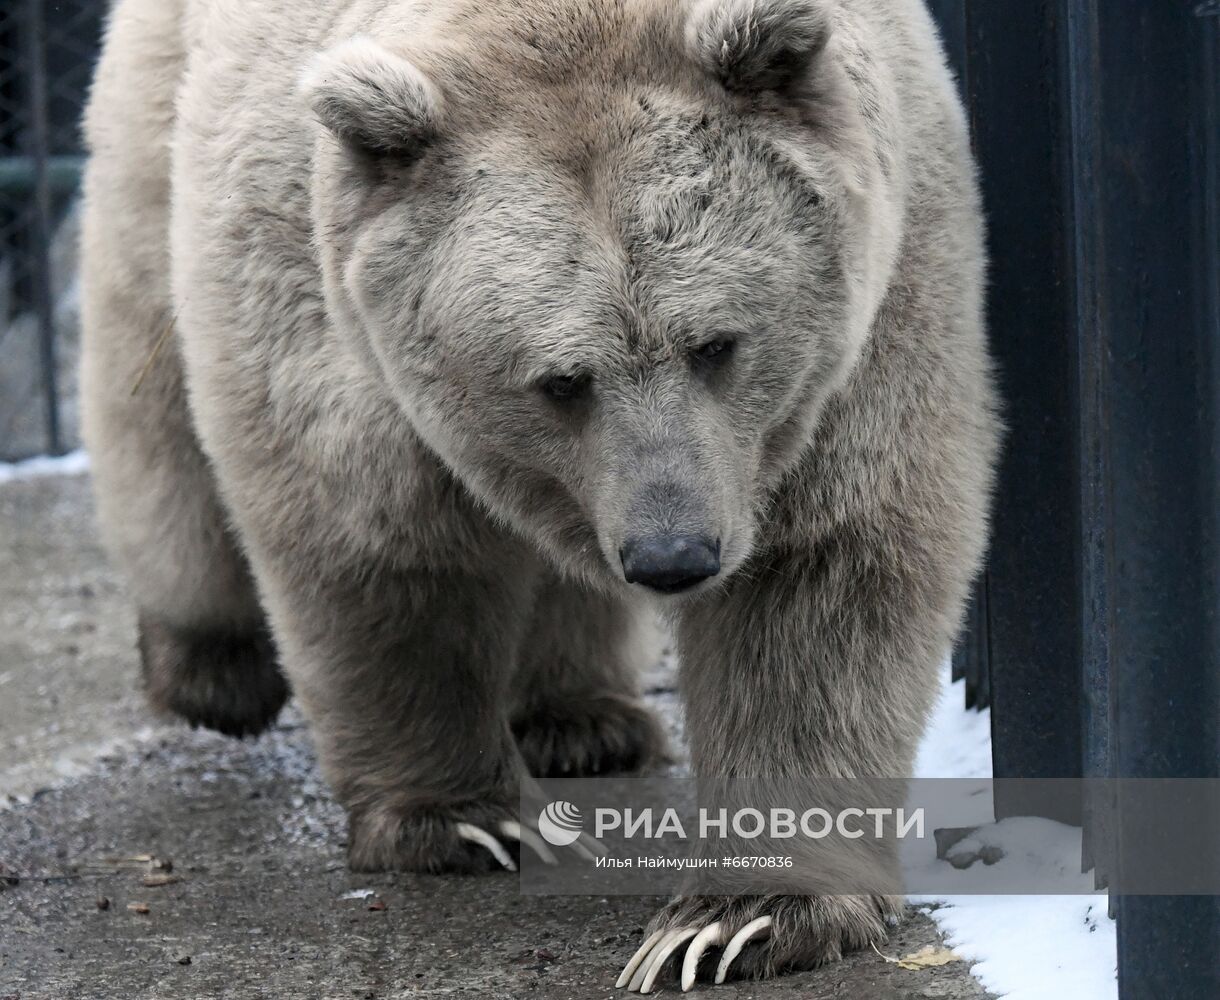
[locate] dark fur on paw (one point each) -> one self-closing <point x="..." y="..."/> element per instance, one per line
<point x="594" y="735"/>
<point x="803" y="932"/>
<point x="220" y="680"/>
<point x="430" y="840"/>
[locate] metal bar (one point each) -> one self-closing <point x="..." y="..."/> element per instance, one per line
<point x="38" y="145"/>
<point x="1081" y="75"/>
<point x="1034" y="606"/>
<point x="979" y="695"/>
<point x="19" y="174"/>
<point x="1157" y="175"/>
<point x="971" y="655"/>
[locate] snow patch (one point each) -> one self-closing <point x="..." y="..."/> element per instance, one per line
<point x="1019" y="947"/>
<point x="1034" y="947"/>
<point x="44" y="465"/>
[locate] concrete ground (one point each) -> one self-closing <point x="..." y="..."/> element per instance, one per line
<point x="248" y="843"/>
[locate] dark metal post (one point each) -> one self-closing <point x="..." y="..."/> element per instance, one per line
<point x="1033" y="598"/>
<point x="1149" y="168"/>
<point x="1081" y="80"/>
<point x="1097" y="129"/>
<point x="38" y="148"/>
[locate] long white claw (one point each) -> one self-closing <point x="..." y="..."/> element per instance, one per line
<point x="638" y="957"/>
<point x="637" y="980"/>
<point x="582" y="851"/>
<point x="476" y="835"/>
<point x="592" y="845"/>
<point x="511" y="828"/>
<point x="662" y="953"/>
<point x="760" y="927"/>
<point x="710" y="935"/>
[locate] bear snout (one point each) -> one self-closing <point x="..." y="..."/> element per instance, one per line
<point x="670" y="563"/>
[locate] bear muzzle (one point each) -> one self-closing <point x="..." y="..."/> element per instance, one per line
<point x="670" y="563"/>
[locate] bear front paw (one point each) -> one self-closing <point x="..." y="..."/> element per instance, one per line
<point x="471" y="840"/>
<point x="756" y="936"/>
<point x="604" y="734"/>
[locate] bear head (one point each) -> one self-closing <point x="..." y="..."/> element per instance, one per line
<point x="611" y="257"/>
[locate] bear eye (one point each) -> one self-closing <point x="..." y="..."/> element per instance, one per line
<point x="714" y="353"/>
<point x="565" y="388"/>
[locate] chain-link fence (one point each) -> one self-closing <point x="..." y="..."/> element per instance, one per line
<point x="47" y="52"/>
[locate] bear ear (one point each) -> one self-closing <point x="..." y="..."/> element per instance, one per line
<point x="373" y="99"/>
<point x="756" y="45"/>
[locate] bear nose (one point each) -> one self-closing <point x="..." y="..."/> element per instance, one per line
<point x="670" y="563"/>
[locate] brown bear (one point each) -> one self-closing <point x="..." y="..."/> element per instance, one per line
<point x="432" y="345"/>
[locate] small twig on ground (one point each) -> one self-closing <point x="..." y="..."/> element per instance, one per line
<point x="157" y="871"/>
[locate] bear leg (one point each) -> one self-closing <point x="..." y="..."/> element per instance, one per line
<point x="818" y="664"/>
<point x="202" y="637"/>
<point x="404" y="675"/>
<point x="579" y="711"/>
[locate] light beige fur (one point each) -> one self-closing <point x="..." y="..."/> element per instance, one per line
<point x="467" y="296"/>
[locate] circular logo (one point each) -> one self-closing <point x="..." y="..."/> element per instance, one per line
<point x="560" y="823"/>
